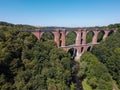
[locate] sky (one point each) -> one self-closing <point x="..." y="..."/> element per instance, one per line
<point x="64" y="13"/>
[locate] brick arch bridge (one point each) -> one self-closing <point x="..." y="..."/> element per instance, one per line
<point x="80" y="43"/>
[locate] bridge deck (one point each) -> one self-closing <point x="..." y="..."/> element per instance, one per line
<point x="68" y="29"/>
<point x="74" y="45"/>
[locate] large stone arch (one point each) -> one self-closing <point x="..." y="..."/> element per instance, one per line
<point x="89" y="36"/>
<point x="47" y="35"/>
<point x="72" y="52"/>
<point x="100" y="35"/>
<point x="111" y="32"/>
<point x="70" y="37"/>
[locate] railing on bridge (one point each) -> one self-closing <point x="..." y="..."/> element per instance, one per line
<point x="74" y="45"/>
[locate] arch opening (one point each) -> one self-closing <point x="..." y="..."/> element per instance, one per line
<point x="100" y="36"/>
<point x="70" y="38"/>
<point x="72" y="52"/>
<point x="110" y="33"/>
<point x="89" y="36"/>
<point x="82" y="49"/>
<point x="89" y="48"/>
<point x="47" y="36"/>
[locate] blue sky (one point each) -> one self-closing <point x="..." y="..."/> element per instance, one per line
<point x="69" y="13"/>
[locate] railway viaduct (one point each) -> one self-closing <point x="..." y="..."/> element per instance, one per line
<point x="80" y="44"/>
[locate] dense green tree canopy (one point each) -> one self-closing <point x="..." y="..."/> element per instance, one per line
<point x="108" y="53"/>
<point x="94" y="74"/>
<point x="27" y="64"/>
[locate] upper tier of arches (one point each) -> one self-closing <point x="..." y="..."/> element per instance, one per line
<point x="81" y="36"/>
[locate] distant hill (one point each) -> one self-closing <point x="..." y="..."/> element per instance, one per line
<point x="17" y="26"/>
<point x="29" y="27"/>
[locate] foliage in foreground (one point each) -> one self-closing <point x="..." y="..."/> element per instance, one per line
<point x="108" y="53"/>
<point x="26" y="64"/>
<point x="94" y="74"/>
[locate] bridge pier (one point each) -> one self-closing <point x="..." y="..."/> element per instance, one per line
<point x="56" y="37"/>
<point x="106" y="34"/>
<point x="77" y="57"/>
<point x="80" y="51"/>
<point x="78" y="38"/>
<point x="62" y="38"/>
<point x="94" y="39"/>
<point x="83" y="36"/>
<point x="38" y="34"/>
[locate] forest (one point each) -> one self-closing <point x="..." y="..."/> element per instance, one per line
<point x="27" y="64"/>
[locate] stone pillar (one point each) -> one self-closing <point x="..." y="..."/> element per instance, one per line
<point x="63" y="35"/>
<point x="94" y="39"/>
<point x="56" y="37"/>
<point x="78" y="37"/>
<point x="83" y="36"/>
<point x="38" y="34"/>
<point x="115" y="30"/>
<point x="106" y="34"/>
<point x="84" y="49"/>
<point x="78" y="53"/>
<point x="78" y="42"/>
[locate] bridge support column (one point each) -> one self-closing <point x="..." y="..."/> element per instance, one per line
<point x="63" y="35"/>
<point x="38" y="34"/>
<point x="78" y="53"/>
<point x="57" y="37"/>
<point x="94" y="39"/>
<point x="115" y="30"/>
<point x="78" y="37"/>
<point x="85" y="49"/>
<point x="106" y="34"/>
<point x="83" y="36"/>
